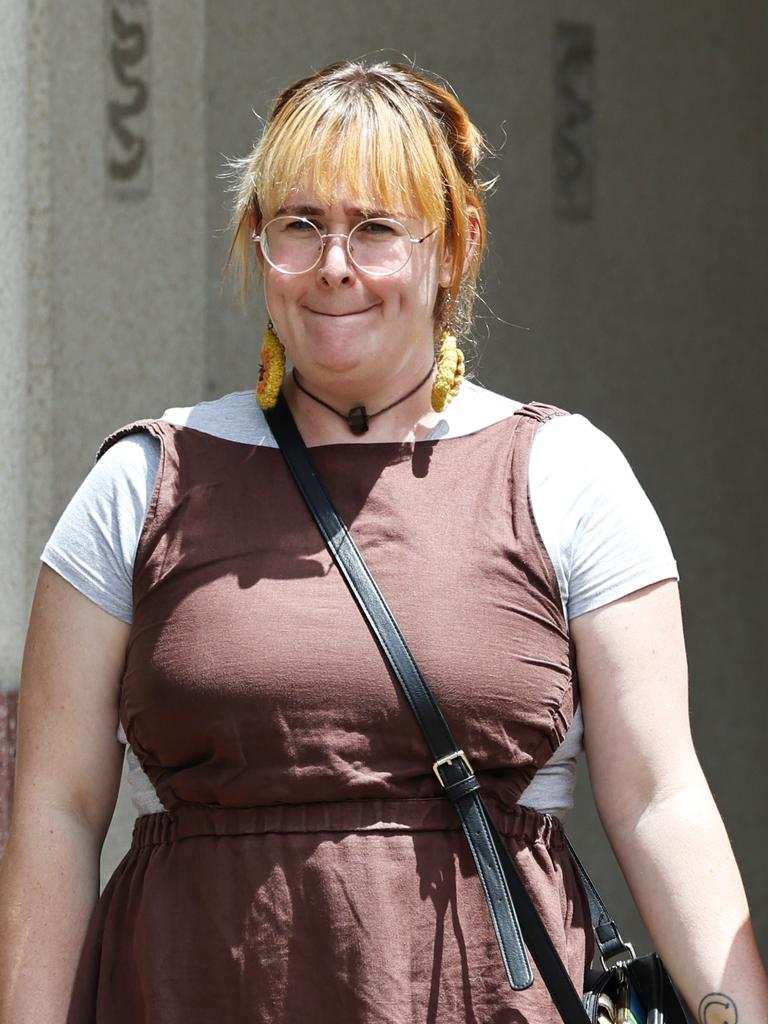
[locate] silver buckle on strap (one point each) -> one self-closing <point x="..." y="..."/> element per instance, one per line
<point x="627" y="947"/>
<point x="449" y="759"/>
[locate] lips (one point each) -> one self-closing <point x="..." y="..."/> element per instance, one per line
<point x="335" y="313"/>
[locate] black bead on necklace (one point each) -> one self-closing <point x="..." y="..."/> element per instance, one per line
<point x="358" y="418"/>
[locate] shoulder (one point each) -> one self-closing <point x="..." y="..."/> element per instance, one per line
<point x="477" y="403"/>
<point x="233" y="417"/>
<point x="94" y="541"/>
<point x="579" y="468"/>
<point x="473" y="409"/>
<point x="570" y="445"/>
<point x="600" y="527"/>
<point x="476" y="407"/>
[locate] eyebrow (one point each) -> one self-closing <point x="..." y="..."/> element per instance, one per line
<point x="315" y="211"/>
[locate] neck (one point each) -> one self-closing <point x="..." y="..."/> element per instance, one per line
<point x="411" y="418"/>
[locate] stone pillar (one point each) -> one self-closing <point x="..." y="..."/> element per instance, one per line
<point x="102" y="270"/>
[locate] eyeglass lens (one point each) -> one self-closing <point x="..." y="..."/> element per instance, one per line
<point x="377" y="246"/>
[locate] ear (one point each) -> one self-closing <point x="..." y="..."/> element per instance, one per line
<point x="473" y="240"/>
<point x="446" y="267"/>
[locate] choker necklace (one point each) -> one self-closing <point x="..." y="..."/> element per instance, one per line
<point x="357" y="417"/>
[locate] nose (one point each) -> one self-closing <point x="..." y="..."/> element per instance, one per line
<point x="335" y="267"/>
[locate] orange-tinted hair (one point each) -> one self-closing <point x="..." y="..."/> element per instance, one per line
<point x="384" y="136"/>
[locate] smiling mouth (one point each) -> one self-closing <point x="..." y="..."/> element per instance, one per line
<point x="351" y="312"/>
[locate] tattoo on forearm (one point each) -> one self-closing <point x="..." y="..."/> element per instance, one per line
<point x="717" y="1008"/>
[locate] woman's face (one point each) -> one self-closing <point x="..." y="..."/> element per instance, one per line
<point x="337" y="321"/>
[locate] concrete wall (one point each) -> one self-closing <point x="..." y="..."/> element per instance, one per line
<point x="646" y="312"/>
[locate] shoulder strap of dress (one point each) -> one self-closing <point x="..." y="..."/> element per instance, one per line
<point x="540" y="411"/>
<point x="158" y="428"/>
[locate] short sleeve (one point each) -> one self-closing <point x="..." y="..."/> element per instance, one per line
<point x="599" y="527"/>
<point x="93" y="545"/>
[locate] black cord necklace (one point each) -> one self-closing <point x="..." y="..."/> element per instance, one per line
<point x="357" y="417"/>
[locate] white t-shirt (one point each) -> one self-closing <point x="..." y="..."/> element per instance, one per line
<point x="599" y="528"/>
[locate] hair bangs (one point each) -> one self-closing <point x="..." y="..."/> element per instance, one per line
<point x="358" y="148"/>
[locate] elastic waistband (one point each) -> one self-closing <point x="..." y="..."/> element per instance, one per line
<point x="423" y="814"/>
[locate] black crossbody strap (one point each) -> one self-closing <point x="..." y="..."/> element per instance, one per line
<point x="607" y="934"/>
<point x="507" y="896"/>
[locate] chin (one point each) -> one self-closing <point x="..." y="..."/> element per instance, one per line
<point x="339" y="364"/>
<point x="341" y="352"/>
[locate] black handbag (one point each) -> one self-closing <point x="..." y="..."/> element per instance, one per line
<point x="611" y="993"/>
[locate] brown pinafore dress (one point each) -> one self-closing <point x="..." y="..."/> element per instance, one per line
<point x="307" y="866"/>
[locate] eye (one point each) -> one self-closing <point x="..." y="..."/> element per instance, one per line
<point x="377" y="227"/>
<point x="299" y="226"/>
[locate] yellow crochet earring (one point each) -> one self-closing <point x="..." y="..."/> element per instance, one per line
<point x="450" y="372"/>
<point x="272" y="369"/>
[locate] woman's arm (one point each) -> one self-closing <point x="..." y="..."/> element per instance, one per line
<point x="67" y="777"/>
<point x="656" y="806"/>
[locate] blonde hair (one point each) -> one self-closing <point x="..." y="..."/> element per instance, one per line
<point x="384" y="136"/>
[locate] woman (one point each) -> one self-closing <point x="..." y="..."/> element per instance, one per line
<point x="293" y="854"/>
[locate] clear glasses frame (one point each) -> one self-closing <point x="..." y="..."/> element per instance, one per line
<point x="348" y="235"/>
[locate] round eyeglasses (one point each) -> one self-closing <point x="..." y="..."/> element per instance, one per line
<point x="379" y="246"/>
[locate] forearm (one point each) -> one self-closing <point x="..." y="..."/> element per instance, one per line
<point x="679" y="865"/>
<point x="48" y="886"/>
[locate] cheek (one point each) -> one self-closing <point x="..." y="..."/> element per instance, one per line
<point x="422" y="287"/>
<point x="416" y="286"/>
<point x="279" y="291"/>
